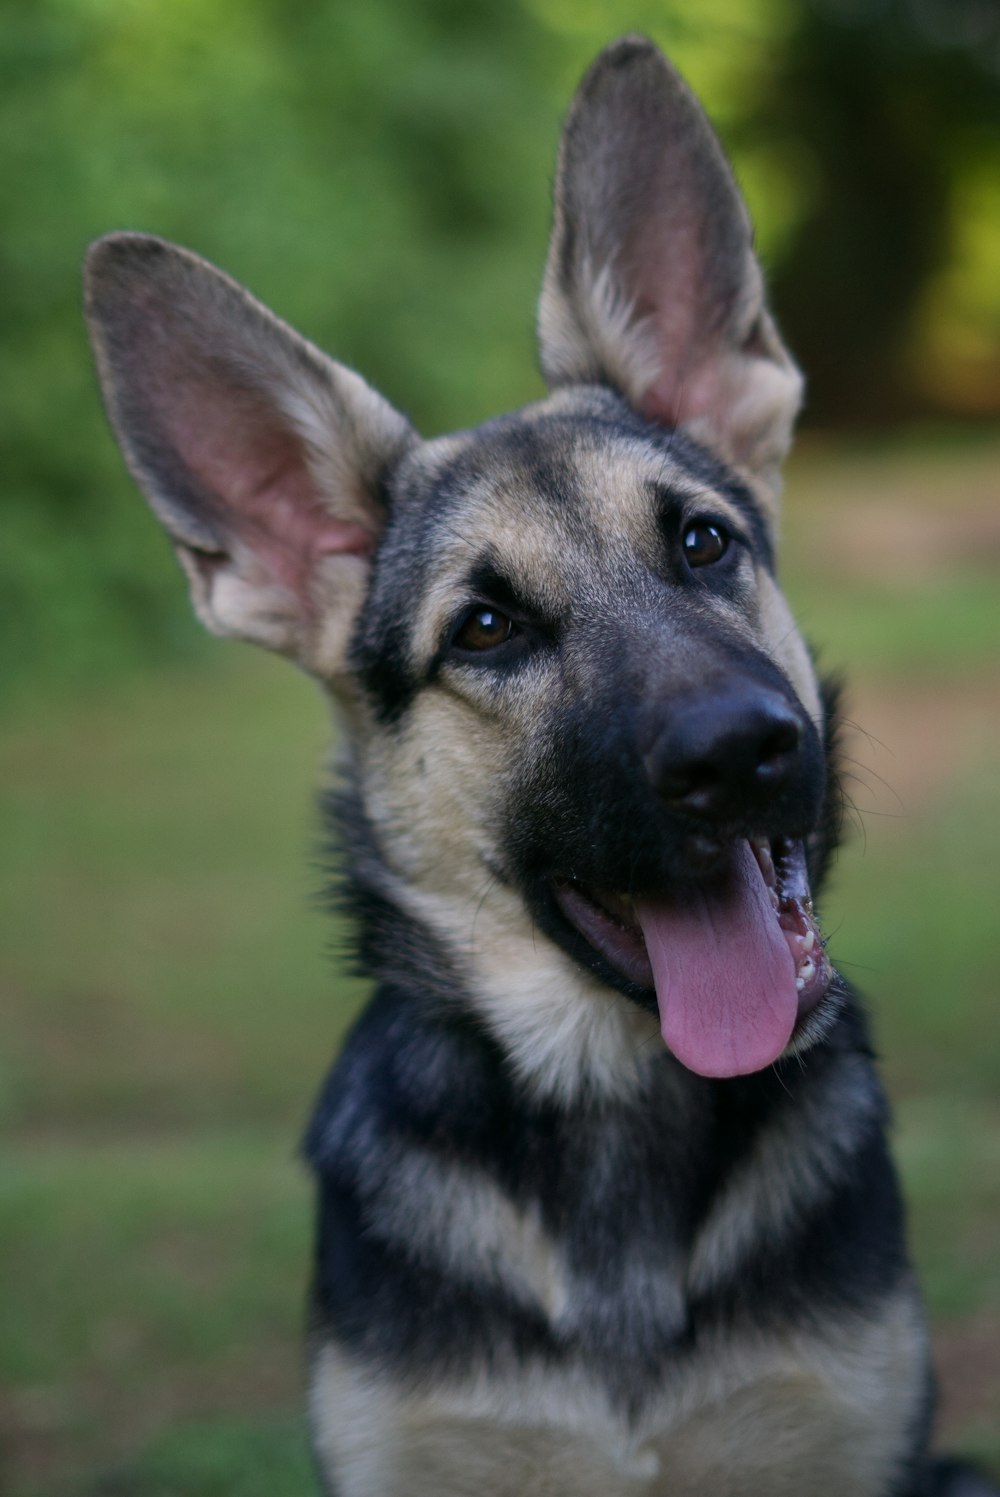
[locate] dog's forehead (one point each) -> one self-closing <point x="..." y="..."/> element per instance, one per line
<point x="557" y="485"/>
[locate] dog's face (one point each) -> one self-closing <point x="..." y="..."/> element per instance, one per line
<point x="583" y="719"/>
<point x="594" y="696"/>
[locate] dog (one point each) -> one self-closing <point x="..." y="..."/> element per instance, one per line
<point x="605" y="1205"/>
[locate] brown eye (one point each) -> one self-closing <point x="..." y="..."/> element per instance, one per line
<point x="704" y="543"/>
<point x="483" y="629"/>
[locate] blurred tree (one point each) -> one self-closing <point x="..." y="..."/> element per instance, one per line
<point x="892" y="102"/>
<point x="376" y="173"/>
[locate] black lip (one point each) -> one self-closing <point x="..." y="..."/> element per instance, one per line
<point x="609" y="932"/>
<point x="548" y="914"/>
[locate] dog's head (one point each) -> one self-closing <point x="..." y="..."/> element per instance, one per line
<point x="578" y="701"/>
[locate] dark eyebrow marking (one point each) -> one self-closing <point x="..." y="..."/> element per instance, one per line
<point x="671" y="505"/>
<point x="486" y="581"/>
<point x="742" y="500"/>
<point x="490" y="582"/>
<point x="704" y="466"/>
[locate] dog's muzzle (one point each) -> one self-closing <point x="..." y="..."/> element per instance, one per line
<point x="732" y="950"/>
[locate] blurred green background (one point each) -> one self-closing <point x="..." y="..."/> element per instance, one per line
<point x="379" y="174"/>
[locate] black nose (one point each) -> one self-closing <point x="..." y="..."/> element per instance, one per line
<point x="727" y="753"/>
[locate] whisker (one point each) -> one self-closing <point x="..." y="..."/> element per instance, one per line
<point x="848" y="722"/>
<point x="867" y="769"/>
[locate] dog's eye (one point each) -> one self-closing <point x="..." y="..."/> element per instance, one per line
<point x="484" y="628"/>
<point x="704" y="543"/>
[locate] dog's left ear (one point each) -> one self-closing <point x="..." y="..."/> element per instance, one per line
<point x="651" y="283"/>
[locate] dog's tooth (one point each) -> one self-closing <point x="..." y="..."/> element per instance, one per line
<point x="762" y="851"/>
<point x="806" y="972"/>
<point x="808" y="942"/>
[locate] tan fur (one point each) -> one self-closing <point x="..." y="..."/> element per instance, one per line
<point x="786" y="1175"/>
<point x="481" y="1234"/>
<point x="565" y="1031"/>
<point x="597" y="332"/>
<point x="753" y="1416"/>
<point x="567" y="1036"/>
<point x="780" y="636"/>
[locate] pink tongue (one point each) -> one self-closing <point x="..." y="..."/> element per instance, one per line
<point x="725" y="978"/>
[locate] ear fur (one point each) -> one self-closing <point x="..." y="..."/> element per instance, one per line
<point x="262" y="458"/>
<point x="651" y="283"/>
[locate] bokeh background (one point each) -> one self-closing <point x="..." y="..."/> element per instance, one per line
<point x="168" y="1000"/>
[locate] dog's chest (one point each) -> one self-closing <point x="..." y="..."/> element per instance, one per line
<point x="755" y="1415"/>
<point x="515" y="1301"/>
<point x="519" y="1233"/>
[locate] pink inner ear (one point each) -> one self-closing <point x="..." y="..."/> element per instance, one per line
<point x="679" y="396"/>
<point x="253" y="471"/>
<point x="664" y="268"/>
<point x="344" y="538"/>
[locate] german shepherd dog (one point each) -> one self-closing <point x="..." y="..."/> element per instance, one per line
<point x="605" y="1206"/>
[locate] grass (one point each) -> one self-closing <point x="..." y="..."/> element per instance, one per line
<point x="161" y="856"/>
<point x="944" y="627"/>
<point x="169" y="1007"/>
<point x="170" y="1283"/>
<point x="221" y="1458"/>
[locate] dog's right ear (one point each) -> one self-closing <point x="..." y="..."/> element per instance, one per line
<point x="263" y="459"/>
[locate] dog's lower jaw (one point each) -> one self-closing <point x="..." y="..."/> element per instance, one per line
<point x="566" y="1034"/>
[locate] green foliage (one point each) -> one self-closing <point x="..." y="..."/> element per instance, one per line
<point x="378" y="174"/>
<point x="322" y="154"/>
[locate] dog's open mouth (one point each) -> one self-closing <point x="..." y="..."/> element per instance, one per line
<point x="737" y="961"/>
